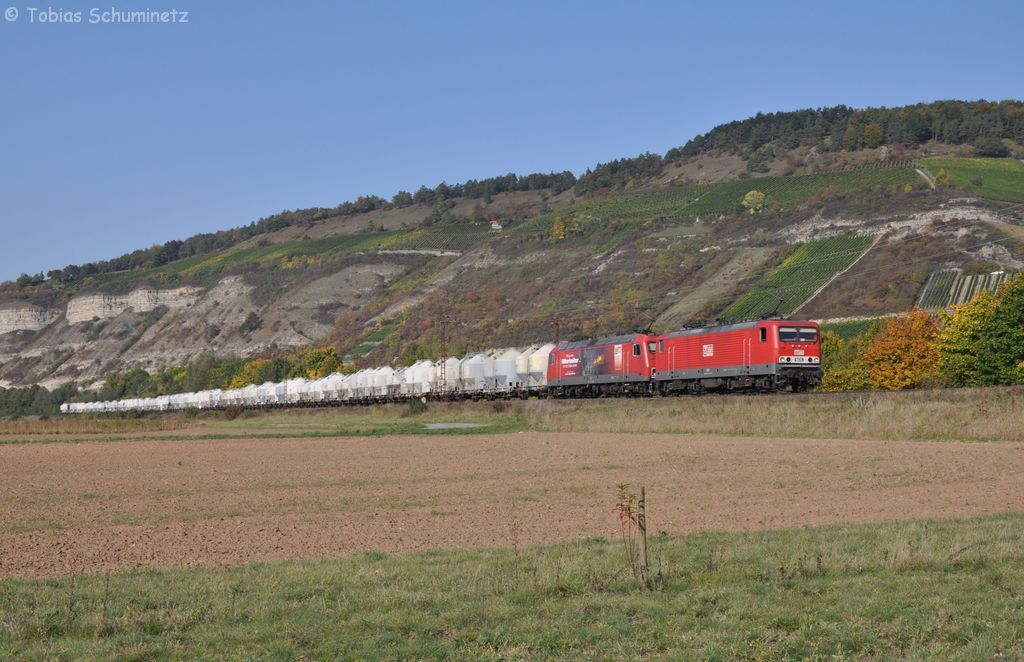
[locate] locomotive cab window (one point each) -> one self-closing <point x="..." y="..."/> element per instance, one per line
<point x="798" y="334"/>
<point x="808" y="334"/>
<point x="661" y="345"/>
<point x="764" y="334"/>
<point x="636" y="349"/>
<point x="652" y="346"/>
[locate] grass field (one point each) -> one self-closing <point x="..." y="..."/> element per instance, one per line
<point x="802" y="539"/>
<point x="293" y="252"/>
<point x="939" y="588"/>
<point x="683" y="205"/>
<point x="940" y="415"/>
<point x="792" y="282"/>
<point x="1001" y="179"/>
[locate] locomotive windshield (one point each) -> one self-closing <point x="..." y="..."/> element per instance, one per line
<point x="798" y="334"/>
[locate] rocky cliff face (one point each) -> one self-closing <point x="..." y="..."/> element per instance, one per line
<point x="26" y="318"/>
<point x="104" y="306"/>
<point x="156" y="328"/>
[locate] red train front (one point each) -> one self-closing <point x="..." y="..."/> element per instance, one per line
<point x="763" y="355"/>
<point x="768" y="355"/>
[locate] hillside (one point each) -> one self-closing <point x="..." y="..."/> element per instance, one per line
<point x="515" y="260"/>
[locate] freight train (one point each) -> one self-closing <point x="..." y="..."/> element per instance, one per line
<point x="765" y="355"/>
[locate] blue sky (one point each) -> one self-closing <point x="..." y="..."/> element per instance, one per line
<point x="118" y="136"/>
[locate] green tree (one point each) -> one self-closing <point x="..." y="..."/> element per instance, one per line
<point x="872" y="135"/>
<point x="753" y="201"/>
<point x="991" y="147"/>
<point x="982" y="343"/>
<point x="851" y="137"/>
<point x="842" y="360"/>
<point x="223" y="373"/>
<point x="402" y="199"/>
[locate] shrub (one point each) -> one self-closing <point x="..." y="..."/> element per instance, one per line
<point x="251" y="323"/>
<point x="991" y="147"/>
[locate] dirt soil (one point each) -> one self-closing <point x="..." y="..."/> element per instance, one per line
<point x="102" y="506"/>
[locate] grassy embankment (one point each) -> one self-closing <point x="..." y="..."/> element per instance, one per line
<point x="942" y="589"/>
<point x="996" y="179"/>
<point x="995" y="414"/>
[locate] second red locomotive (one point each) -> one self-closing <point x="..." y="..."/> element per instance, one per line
<point x="767" y="355"/>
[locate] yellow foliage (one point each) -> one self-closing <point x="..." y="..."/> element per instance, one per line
<point x="320" y="362"/>
<point x="299" y="261"/>
<point x="753" y="201"/>
<point x="958" y="341"/>
<point x="853" y="377"/>
<point x="558" y="228"/>
<point x="251" y="373"/>
<point x="905" y="354"/>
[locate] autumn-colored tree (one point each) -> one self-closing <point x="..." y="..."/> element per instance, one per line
<point x="943" y="180"/>
<point x="753" y="201"/>
<point x="845" y="369"/>
<point x="558" y="228"/>
<point x="905" y="354"/>
<point x="318" y="363"/>
<point x="254" y="371"/>
<point x="982" y="343"/>
<point x="872" y="135"/>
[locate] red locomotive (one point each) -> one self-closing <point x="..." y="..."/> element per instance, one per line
<point x="767" y="355"/>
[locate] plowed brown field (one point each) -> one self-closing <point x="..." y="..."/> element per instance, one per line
<point x="101" y="506"/>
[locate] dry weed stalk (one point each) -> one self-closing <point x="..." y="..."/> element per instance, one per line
<point x="633" y="528"/>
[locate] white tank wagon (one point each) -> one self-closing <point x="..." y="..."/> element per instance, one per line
<point x="380" y="380"/>
<point x="473" y="372"/>
<point x="537" y="365"/>
<point x="449" y="381"/>
<point x="266" y="394"/>
<point x="337" y="386"/>
<point x="419" y="377"/>
<point x="497" y="373"/>
<point x="396" y="388"/>
<point x="318" y="390"/>
<point x="506" y="374"/>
